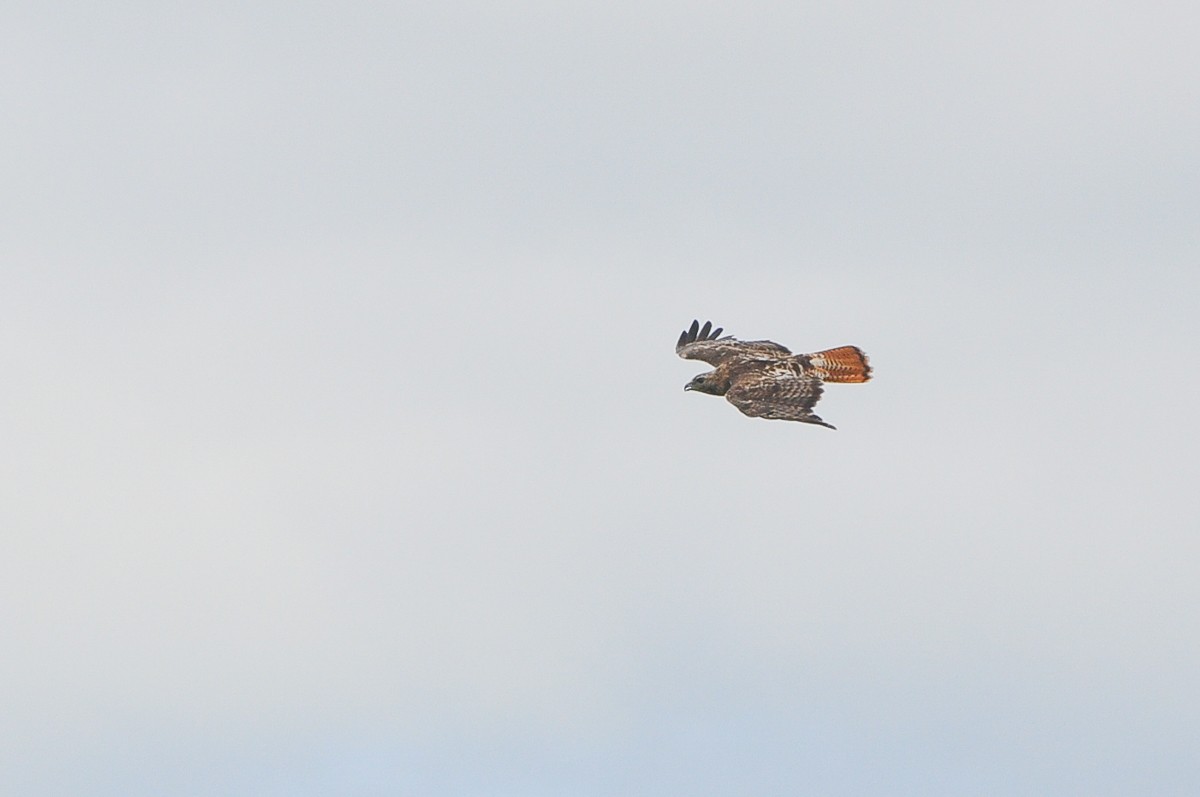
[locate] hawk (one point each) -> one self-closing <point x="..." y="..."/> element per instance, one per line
<point x="762" y="378"/>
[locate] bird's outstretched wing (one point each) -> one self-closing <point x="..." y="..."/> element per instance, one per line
<point x="706" y="344"/>
<point x="776" y="390"/>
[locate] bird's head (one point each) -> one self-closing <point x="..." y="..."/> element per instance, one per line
<point x="705" y="383"/>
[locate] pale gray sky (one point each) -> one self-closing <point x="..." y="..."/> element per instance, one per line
<point x="345" y="449"/>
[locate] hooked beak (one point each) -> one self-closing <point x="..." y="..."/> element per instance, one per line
<point x="688" y="386"/>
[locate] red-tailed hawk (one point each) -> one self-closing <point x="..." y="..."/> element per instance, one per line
<point x="762" y="378"/>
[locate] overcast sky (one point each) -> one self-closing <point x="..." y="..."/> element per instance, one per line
<point x="343" y="447"/>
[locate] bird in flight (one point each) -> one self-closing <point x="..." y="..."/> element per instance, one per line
<point x="762" y="378"/>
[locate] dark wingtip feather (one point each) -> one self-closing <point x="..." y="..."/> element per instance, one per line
<point x="696" y="332"/>
<point x="688" y="335"/>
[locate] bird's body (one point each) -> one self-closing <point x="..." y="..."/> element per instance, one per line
<point x="762" y="378"/>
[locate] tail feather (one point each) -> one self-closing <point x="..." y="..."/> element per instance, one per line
<point x="843" y="364"/>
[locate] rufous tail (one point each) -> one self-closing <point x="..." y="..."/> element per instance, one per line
<point x="843" y="364"/>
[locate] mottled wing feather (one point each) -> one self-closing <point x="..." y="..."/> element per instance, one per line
<point x="774" y="389"/>
<point x="707" y="345"/>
